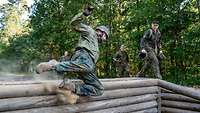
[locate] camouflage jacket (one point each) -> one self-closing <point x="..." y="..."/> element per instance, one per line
<point x="121" y="58"/>
<point x="88" y="37"/>
<point x="151" y="40"/>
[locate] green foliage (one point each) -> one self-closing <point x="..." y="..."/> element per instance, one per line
<point x="50" y="34"/>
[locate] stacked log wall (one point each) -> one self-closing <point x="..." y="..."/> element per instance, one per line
<point x="179" y="99"/>
<point x="120" y="96"/>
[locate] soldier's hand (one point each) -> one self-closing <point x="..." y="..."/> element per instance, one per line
<point x="161" y="55"/>
<point x="142" y="54"/>
<point x="143" y="51"/>
<point x="116" y="60"/>
<point x="88" y="10"/>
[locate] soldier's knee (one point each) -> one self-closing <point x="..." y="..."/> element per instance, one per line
<point x="89" y="69"/>
<point x="86" y="68"/>
<point x="99" y="92"/>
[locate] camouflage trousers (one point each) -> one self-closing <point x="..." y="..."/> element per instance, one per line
<point x="122" y="70"/>
<point x="151" y="61"/>
<point x="82" y="63"/>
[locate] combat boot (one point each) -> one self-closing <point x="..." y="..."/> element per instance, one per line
<point x="45" y="66"/>
<point x="66" y="94"/>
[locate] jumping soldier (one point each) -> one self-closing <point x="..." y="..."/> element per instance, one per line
<point x="151" y="51"/>
<point x="83" y="61"/>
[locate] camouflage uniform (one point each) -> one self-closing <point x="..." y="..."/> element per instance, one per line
<point x="64" y="58"/>
<point x="121" y="63"/>
<point x="151" y="43"/>
<point x="84" y="60"/>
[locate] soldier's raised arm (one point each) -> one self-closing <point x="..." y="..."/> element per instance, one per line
<point x="77" y="21"/>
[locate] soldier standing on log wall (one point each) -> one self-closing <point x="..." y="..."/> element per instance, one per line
<point x="121" y="61"/>
<point x="83" y="61"/>
<point x="151" y="51"/>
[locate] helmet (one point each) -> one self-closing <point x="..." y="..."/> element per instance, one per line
<point x="104" y="29"/>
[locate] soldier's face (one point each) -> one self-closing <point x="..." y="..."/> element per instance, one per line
<point x="154" y="26"/>
<point x="101" y="35"/>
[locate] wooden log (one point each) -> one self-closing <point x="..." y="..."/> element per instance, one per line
<point x="175" y="110"/>
<point x="190" y="92"/>
<point x="37" y="78"/>
<point x="178" y="97"/>
<point x="46" y="101"/>
<point x="56" y="82"/>
<point x="49" y="88"/>
<point x="124" y="79"/>
<point x="128" y="108"/>
<point x="8" y="91"/>
<point x="151" y="110"/>
<point x="97" y="105"/>
<point x="119" y="93"/>
<point x="27" y="103"/>
<point x="163" y="90"/>
<point x="130" y="84"/>
<point x="35" y="81"/>
<point x="181" y="105"/>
